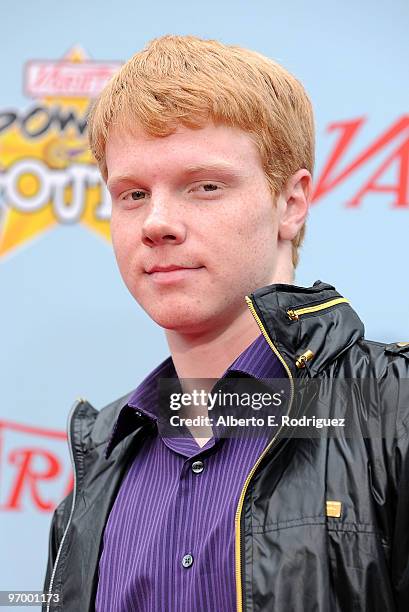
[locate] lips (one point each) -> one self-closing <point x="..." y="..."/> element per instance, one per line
<point x="169" y="268"/>
<point x="172" y="276"/>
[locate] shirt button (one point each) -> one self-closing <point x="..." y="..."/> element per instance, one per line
<point x="197" y="467"/>
<point x="187" y="560"/>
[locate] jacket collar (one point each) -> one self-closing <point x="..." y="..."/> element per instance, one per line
<point x="325" y="331"/>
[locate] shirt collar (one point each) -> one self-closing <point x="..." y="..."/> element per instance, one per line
<point x="257" y="360"/>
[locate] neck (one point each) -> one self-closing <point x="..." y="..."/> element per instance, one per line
<point x="209" y="354"/>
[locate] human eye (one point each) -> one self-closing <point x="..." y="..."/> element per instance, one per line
<point x="207" y="187"/>
<point x="211" y="186"/>
<point x="136" y="194"/>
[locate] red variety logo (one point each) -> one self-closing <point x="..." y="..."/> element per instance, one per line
<point x="395" y="138"/>
<point x="35" y="469"/>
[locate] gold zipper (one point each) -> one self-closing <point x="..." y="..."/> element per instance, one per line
<point x="295" y="314"/>
<point x="239" y="591"/>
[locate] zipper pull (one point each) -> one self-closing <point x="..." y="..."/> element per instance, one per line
<point x="292" y="315"/>
<point x="301" y="360"/>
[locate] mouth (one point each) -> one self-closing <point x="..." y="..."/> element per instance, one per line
<point x="171" y="274"/>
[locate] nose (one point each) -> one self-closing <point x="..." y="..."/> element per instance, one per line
<point x="162" y="227"/>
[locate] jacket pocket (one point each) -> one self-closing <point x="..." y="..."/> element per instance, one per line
<point x="358" y="558"/>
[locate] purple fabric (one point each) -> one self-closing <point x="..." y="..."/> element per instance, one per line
<point x="165" y="511"/>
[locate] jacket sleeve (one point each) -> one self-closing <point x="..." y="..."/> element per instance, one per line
<point x="400" y="470"/>
<point x="400" y="558"/>
<point x="58" y="522"/>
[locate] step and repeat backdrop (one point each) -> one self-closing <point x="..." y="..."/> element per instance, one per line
<point x="68" y="326"/>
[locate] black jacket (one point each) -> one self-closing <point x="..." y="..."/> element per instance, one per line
<point x="322" y="522"/>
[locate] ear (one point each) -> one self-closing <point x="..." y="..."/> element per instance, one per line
<point x="293" y="204"/>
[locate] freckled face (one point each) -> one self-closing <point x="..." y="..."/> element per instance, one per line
<point x="198" y="200"/>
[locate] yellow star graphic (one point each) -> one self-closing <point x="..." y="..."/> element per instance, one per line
<point x="47" y="174"/>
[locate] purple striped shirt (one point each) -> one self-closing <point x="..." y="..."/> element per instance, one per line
<point x="169" y="540"/>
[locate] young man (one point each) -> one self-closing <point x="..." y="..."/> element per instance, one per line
<point x="207" y="151"/>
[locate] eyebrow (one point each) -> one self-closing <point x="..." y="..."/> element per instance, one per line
<point x="216" y="166"/>
<point x="212" y="166"/>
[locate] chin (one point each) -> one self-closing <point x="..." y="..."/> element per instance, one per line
<point x="181" y="322"/>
